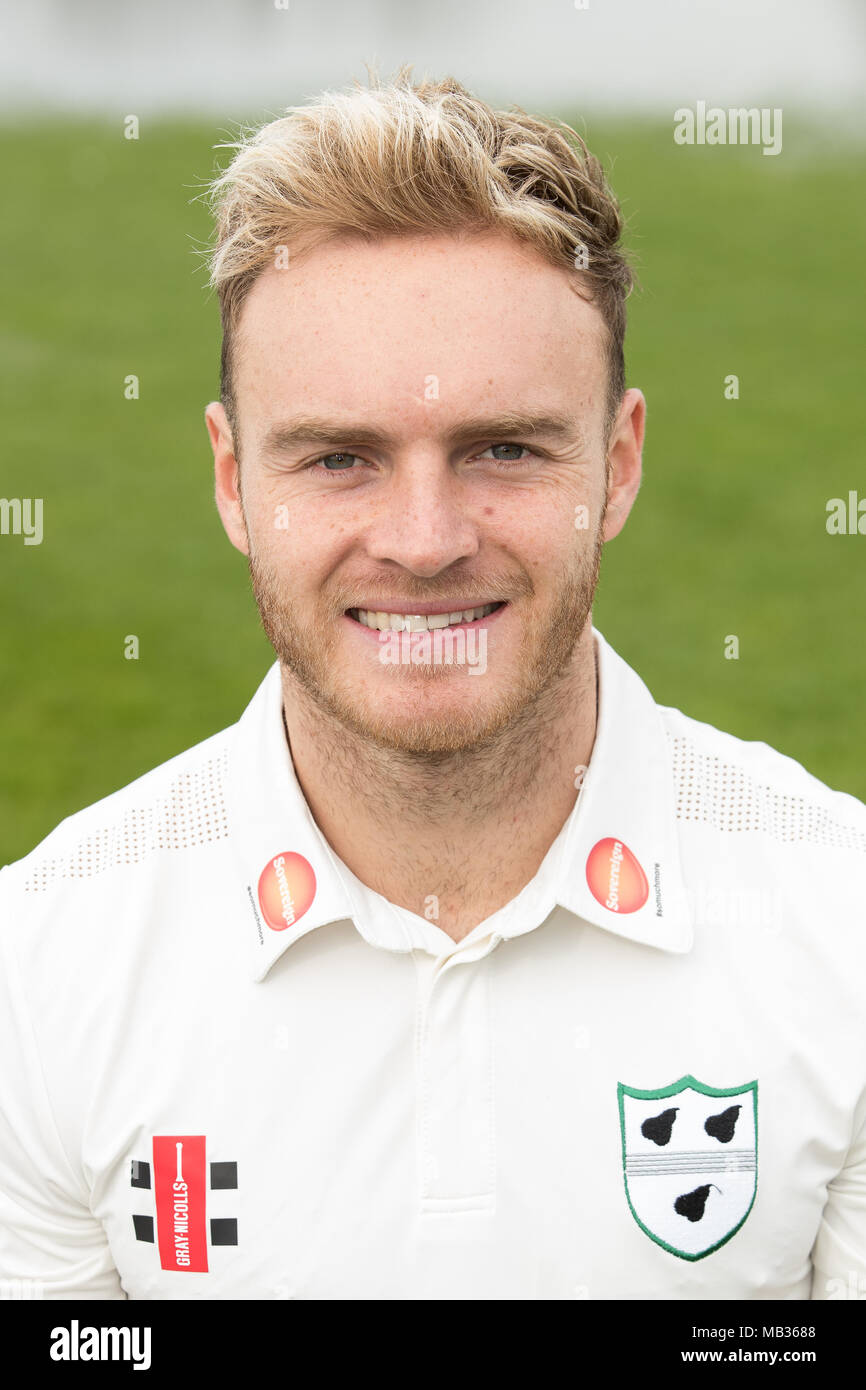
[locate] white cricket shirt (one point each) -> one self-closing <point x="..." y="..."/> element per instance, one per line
<point x="230" y="1070"/>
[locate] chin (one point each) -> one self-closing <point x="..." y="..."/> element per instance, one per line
<point x="427" y="722"/>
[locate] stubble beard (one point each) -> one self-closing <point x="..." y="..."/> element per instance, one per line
<point x="532" y="697"/>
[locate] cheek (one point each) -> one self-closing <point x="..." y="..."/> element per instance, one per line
<point x="304" y="548"/>
<point x="559" y="545"/>
<point x="276" y="519"/>
<point x="545" y="531"/>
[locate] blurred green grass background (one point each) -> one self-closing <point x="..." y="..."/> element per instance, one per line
<point x="748" y="264"/>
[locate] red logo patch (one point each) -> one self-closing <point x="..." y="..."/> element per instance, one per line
<point x="179" y="1191"/>
<point x="287" y="886"/>
<point x="615" y="877"/>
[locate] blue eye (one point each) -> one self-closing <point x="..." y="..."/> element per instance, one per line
<point x="338" y="455"/>
<point x="523" y="447"/>
<point x="506" y="446"/>
<point x="343" y="462"/>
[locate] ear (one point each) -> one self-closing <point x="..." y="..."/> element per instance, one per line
<point x="226" y="477"/>
<point x="624" y="462"/>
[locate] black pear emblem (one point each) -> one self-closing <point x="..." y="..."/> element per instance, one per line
<point x="690" y="1160"/>
<point x="692" y="1204"/>
<point x="658" y="1128"/>
<point x="722" y="1126"/>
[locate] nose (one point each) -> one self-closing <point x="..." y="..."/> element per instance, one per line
<point x="423" y="519"/>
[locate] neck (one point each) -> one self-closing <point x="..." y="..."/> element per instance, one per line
<point x="455" y="839"/>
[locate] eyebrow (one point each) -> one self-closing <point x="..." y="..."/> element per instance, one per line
<point x="292" y="434"/>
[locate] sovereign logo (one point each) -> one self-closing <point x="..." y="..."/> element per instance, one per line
<point x="287" y="886"/>
<point x="690" y="1162"/>
<point x="615" y="877"/>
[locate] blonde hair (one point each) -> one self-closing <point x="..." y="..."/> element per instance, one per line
<point x="404" y="158"/>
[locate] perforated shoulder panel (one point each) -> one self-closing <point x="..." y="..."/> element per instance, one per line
<point x="723" y="795"/>
<point x="191" y="812"/>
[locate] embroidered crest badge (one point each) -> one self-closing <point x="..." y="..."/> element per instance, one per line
<point x="690" y="1162"/>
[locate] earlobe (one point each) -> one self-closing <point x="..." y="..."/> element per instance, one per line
<point x="226" y="478"/>
<point x="625" y="462"/>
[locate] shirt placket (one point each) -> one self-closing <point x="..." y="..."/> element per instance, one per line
<point x="455" y="1111"/>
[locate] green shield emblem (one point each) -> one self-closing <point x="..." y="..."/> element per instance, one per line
<point x="690" y="1162"/>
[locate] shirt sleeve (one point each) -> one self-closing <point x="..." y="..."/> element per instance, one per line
<point x="839" y="1252"/>
<point x="51" y="1244"/>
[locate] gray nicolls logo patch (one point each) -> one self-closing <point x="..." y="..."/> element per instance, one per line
<point x="690" y="1162"/>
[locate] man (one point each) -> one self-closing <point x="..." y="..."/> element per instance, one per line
<point x="457" y="968"/>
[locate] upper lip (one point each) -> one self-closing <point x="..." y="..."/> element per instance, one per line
<point x="424" y="609"/>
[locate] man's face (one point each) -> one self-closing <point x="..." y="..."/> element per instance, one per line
<point x="383" y="469"/>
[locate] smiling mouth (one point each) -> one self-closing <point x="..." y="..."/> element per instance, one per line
<point x="420" y="622"/>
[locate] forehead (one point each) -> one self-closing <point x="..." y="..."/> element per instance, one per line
<point x="481" y="314"/>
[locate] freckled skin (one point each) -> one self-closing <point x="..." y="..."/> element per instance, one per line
<point x="431" y="759"/>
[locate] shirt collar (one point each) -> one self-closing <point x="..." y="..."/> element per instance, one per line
<point x="622" y="833"/>
<point x="614" y="864"/>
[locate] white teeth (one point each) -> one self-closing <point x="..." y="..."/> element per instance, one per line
<point x="419" y="622"/>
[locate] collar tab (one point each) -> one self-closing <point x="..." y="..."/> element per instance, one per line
<point x="623" y="869"/>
